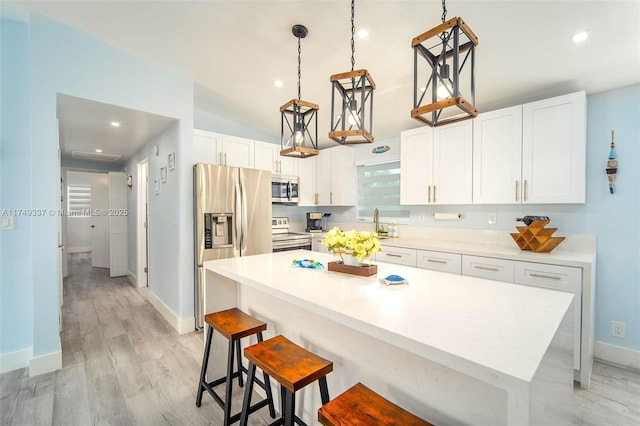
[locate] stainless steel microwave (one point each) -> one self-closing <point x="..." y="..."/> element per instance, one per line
<point x="285" y="189"/>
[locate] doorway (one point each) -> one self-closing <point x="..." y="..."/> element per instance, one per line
<point x="143" y="222"/>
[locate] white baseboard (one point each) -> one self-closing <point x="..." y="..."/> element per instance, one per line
<point x="616" y="354"/>
<point x="15" y="360"/>
<point x="78" y="250"/>
<point x="181" y="325"/>
<point x="132" y="278"/>
<point x="45" y="363"/>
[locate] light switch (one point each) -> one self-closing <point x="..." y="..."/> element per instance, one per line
<point x="6" y="223"/>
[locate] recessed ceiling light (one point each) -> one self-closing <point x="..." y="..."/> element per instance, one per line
<point x="98" y="150"/>
<point x="580" y="37"/>
<point x="277" y="83"/>
<point x="115" y="124"/>
<point x="363" y="33"/>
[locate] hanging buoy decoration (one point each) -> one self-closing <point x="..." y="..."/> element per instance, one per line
<point x="612" y="165"/>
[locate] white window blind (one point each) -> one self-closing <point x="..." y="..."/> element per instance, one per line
<point x="379" y="188"/>
<point x="79" y="200"/>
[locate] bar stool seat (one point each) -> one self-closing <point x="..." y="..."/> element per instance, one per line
<point x="233" y="324"/>
<point x="291" y="366"/>
<point x="360" y="406"/>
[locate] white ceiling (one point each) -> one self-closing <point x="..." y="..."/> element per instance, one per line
<point x="234" y="50"/>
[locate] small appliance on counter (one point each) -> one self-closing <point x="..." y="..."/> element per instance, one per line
<point x="314" y="222"/>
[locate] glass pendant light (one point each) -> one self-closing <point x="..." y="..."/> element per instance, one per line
<point x="352" y="101"/>
<point x="448" y="49"/>
<point x="298" y="118"/>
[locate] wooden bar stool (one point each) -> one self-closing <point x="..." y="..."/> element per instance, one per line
<point x="234" y="325"/>
<point x="360" y="406"/>
<point x="291" y="366"/>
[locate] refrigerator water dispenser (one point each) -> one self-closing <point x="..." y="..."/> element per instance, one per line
<point x="218" y="230"/>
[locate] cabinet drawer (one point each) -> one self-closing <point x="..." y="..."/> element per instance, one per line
<point x="439" y="261"/>
<point x="487" y="267"/>
<point x="403" y="256"/>
<point x="563" y="278"/>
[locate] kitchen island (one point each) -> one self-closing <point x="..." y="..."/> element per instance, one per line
<point x="452" y="349"/>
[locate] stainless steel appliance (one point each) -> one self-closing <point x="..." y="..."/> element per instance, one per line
<point x="314" y="222"/>
<point x="283" y="240"/>
<point x="285" y="189"/>
<point x="232" y="211"/>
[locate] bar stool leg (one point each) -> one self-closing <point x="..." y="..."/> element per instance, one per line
<point x="324" y="390"/>
<point x="246" y="401"/>
<point x="289" y="408"/>
<point x="229" y="384"/>
<point x="205" y="362"/>
<point x="267" y="385"/>
<point x="239" y="360"/>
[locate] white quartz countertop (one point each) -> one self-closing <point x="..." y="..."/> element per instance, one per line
<point x="491" y="330"/>
<point x="559" y="256"/>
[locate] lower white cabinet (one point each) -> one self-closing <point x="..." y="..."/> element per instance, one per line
<point x="439" y="261"/>
<point x="488" y="267"/>
<point x="400" y="255"/>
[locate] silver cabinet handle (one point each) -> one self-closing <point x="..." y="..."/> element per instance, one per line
<point x="524" y="197"/>
<point x="434" y="194"/>
<point x="546" y="277"/>
<point x="517" y="189"/>
<point x="316" y="201"/>
<point x="220" y="159"/>
<point x="393" y="255"/>
<point x="442" y="262"/>
<point x="486" y="268"/>
<point x="225" y="158"/>
<point x="330" y="197"/>
<point x="429" y="196"/>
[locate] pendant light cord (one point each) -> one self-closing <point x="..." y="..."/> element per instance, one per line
<point x="444" y="10"/>
<point x="353" y="30"/>
<point x="299" y="73"/>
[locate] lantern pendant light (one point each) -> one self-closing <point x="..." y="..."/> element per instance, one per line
<point x="298" y="118"/>
<point x="352" y="102"/>
<point x="449" y="50"/>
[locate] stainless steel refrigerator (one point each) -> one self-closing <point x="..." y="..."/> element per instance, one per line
<point x="232" y="208"/>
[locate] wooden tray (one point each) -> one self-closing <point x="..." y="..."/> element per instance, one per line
<point x="362" y="271"/>
<point x="536" y="237"/>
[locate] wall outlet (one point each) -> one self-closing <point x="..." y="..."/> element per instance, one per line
<point x="421" y="216"/>
<point x="618" y="329"/>
<point x="493" y="218"/>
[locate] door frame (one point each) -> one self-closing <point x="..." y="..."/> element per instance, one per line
<point x="142" y="219"/>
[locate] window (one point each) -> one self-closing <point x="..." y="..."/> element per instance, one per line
<point x="79" y="200"/>
<point x="379" y="188"/>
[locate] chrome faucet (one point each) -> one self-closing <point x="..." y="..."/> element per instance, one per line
<point x="376" y="220"/>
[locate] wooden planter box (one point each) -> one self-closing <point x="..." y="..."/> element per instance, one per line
<point x="362" y="271"/>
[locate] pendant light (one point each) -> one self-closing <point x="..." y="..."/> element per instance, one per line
<point x="449" y="50"/>
<point x="352" y="102"/>
<point x="299" y="121"/>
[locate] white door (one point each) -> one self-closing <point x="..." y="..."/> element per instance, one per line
<point x="237" y="152"/>
<point x="61" y="252"/>
<point x="343" y="176"/>
<point x="99" y="221"/>
<point x="288" y="166"/>
<point x="497" y="156"/>
<point x="323" y="178"/>
<point x="452" y="163"/>
<point x="142" y="220"/>
<point x="118" y="212"/>
<point x="307" y="175"/>
<point x="207" y="147"/>
<point x="266" y="157"/>
<point x="416" y="166"/>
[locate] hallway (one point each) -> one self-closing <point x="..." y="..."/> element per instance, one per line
<point x="122" y="362"/>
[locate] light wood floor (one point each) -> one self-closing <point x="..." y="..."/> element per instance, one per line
<point x="123" y="364"/>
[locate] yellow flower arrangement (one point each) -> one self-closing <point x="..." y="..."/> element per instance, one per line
<point x="361" y="244"/>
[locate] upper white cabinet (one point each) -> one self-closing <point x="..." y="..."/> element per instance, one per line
<point x="236" y="152"/>
<point x="436" y="164"/>
<point x="497" y="156"/>
<point x="531" y="153"/>
<point x="335" y="177"/>
<point x="307" y="175"/>
<point x="267" y="157"/>
<point x="554" y="150"/>
<point x="206" y="146"/>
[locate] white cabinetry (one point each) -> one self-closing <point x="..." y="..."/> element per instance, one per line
<point x="400" y="255"/>
<point x="531" y="153"/>
<point x="497" y="156"/>
<point x="335" y="177"/>
<point x="206" y="146"/>
<point x="236" y="152"/>
<point x="554" y="150"/>
<point x="307" y="175"/>
<point x="488" y="267"/>
<point x="267" y="157"/>
<point x="436" y="164"/>
<point x="439" y="261"/>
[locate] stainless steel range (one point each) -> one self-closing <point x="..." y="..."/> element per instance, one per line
<point x="283" y="240"/>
